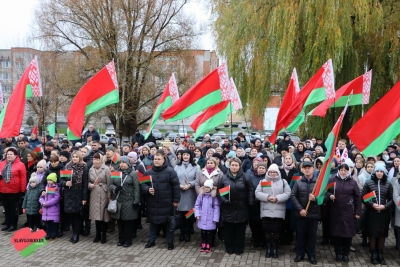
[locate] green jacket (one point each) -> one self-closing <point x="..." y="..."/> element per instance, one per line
<point x="31" y="200"/>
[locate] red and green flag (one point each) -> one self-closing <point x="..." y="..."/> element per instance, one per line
<point x="144" y="179"/>
<point x="169" y="96"/>
<point x="100" y="91"/>
<point x="294" y="180"/>
<point x="189" y="214"/>
<point x="116" y="175"/>
<point x="266" y="184"/>
<point x="211" y="90"/>
<point x="35" y="130"/>
<point x="115" y="159"/>
<point x="359" y="87"/>
<point x="319" y="88"/>
<point x="330" y="185"/>
<point x="51" y="190"/>
<point x="225" y="191"/>
<point x="65" y="173"/>
<point x="287" y="101"/>
<point x="13" y="112"/>
<point x="368" y="197"/>
<point x="324" y="175"/>
<point x="38" y="149"/>
<point x="26" y="242"/>
<point x="380" y="124"/>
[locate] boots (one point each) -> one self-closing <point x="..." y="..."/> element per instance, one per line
<point x="75" y="238"/>
<point x="98" y="232"/>
<point x="275" y="248"/>
<point x="187" y="237"/>
<point x="374" y="257"/>
<point x="208" y="248"/>
<point x="380" y="259"/>
<point x="268" y="243"/>
<point x="182" y="236"/>
<point x="104" y="233"/>
<point x="111" y="226"/>
<point x="86" y="232"/>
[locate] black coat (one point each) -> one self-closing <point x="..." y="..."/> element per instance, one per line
<point x="343" y="209"/>
<point x="283" y="143"/>
<point x="241" y="197"/>
<point x="151" y="138"/>
<point x="138" y="138"/>
<point x="300" y="195"/>
<point x="166" y="191"/>
<point x="386" y="194"/>
<point x="74" y="195"/>
<point x="49" y="170"/>
<point x="288" y="177"/>
<point x="246" y="163"/>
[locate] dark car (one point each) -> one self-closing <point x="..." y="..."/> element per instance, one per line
<point x="168" y="132"/>
<point x="171" y="136"/>
<point x="200" y="138"/>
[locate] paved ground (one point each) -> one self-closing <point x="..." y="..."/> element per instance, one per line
<point x="85" y="253"/>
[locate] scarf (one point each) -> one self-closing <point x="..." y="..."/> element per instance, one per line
<point x="185" y="164"/>
<point x="30" y="163"/>
<point x="210" y="170"/>
<point x="77" y="173"/>
<point x="341" y="157"/>
<point x="7" y="172"/>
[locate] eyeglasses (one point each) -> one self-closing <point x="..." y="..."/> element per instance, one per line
<point x="272" y="172"/>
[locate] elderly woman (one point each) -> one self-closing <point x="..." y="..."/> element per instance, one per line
<point x="75" y="189"/>
<point x="127" y="192"/>
<point x="99" y="181"/>
<point x="12" y="186"/>
<point x="234" y="206"/>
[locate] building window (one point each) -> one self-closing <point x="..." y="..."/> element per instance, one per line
<point x="4" y="76"/>
<point x="18" y="65"/>
<point x="6" y="64"/>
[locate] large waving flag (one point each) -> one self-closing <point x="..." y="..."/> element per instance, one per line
<point x="217" y="114"/>
<point x="380" y="125"/>
<point x="330" y="143"/>
<point x="211" y="90"/>
<point x="1" y="95"/>
<point x="13" y="112"/>
<point x="288" y="99"/>
<point x="320" y="87"/>
<point x="359" y="87"/>
<point x="169" y="96"/>
<point x="100" y="91"/>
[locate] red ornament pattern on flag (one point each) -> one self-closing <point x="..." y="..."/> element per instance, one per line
<point x="366" y="87"/>
<point x="295" y="80"/>
<point x="224" y="82"/>
<point x="113" y="74"/>
<point x="329" y="81"/>
<point x="235" y="99"/>
<point x="33" y="76"/>
<point x="173" y="88"/>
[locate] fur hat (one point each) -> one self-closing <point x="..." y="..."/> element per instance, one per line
<point x="52" y="177"/>
<point x="124" y="159"/>
<point x="133" y="154"/>
<point x="209" y="183"/>
<point x="42" y="164"/>
<point x="34" y="178"/>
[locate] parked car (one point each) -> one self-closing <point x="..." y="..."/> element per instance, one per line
<point x="104" y="138"/>
<point x="182" y="132"/>
<point x="168" y="132"/>
<point x="171" y="136"/>
<point x="109" y="132"/>
<point x="157" y="134"/>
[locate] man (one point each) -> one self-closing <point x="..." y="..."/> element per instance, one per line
<point x="286" y="142"/>
<point x="226" y="147"/>
<point x="95" y="149"/>
<point x="163" y="195"/>
<point x="321" y="144"/>
<point x="43" y="140"/>
<point x="110" y="153"/>
<point x="65" y="147"/>
<point x="241" y="139"/>
<point x="341" y="152"/>
<point x="126" y="148"/>
<point x="307" y="220"/>
<point x="137" y="137"/>
<point x="192" y="146"/>
<point x="64" y="157"/>
<point x="88" y="140"/>
<point x="34" y="141"/>
<point x="151" y="139"/>
<point x="48" y="136"/>
<point x="8" y="142"/>
<point x="23" y="150"/>
<point x="47" y="151"/>
<point x="112" y="139"/>
<point x="93" y="132"/>
<point x="55" y="142"/>
<point x="218" y="157"/>
<point x="280" y="159"/>
<point x="206" y="147"/>
<point x="308" y="145"/>
<point x="314" y="142"/>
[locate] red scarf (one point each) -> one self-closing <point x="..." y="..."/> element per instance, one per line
<point x="341" y="158"/>
<point x="30" y="163"/>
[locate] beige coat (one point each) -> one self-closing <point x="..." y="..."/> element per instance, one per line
<point x="99" y="194"/>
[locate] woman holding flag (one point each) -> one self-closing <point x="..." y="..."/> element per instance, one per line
<point x="344" y="211"/>
<point x="378" y="198"/>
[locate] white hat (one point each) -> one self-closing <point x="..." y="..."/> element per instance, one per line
<point x="274" y="167"/>
<point x="209" y="183"/>
<point x="349" y="162"/>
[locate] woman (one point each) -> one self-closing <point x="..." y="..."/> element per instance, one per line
<point x="273" y="192"/>
<point x="145" y="156"/>
<point x="127" y="192"/>
<point x="75" y="190"/>
<point x="246" y="165"/>
<point x="187" y="172"/>
<point x="378" y="211"/>
<point x="287" y="171"/>
<point x="199" y="159"/>
<point x="360" y="164"/>
<point x="210" y="152"/>
<point x="299" y="153"/>
<point x="234" y="206"/>
<point x="12" y="185"/>
<point x="395" y="169"/>
<point x="32" y="159"/>
<point x="99" y="181"/>
<point x="365" y="173"/>
<point x="344" y="211"/>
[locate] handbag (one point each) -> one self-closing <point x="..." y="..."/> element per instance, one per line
<point x="175" y="221"/>
<point x="112" y="206"/>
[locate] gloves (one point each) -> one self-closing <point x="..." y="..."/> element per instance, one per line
<point x="227" y="202"/>
<point x="136" y="206"/>
<point x="118" y="188"/>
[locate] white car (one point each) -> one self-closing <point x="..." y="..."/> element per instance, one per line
<point x="103" y="138"/>
<point x="109" y="132"/>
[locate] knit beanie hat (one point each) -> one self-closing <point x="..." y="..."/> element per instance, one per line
<point x="231" y="154"/>
<point x="112" y="148"/>
<point x="209" y="183"/>
<point x="274" y="167"/>
<point x="34" y="178"/>
<point x="52" y="177"/>
<point x="124" y="159"/>
<point x="258" y="159"/>
<point x="42" y="164"/>
<point x="64" y="154"/>
<point x="380" y="167"/>
<point x="133" y="154"/>
<point x="262" y="164"/>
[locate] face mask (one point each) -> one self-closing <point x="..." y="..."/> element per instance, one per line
<point x="227" y="164"/>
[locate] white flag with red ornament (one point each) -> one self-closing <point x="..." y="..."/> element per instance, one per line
<point x="235" y="98"/>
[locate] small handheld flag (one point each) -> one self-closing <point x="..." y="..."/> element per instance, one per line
<point x="190" y="213"/>
<point x="369" y="196"/>
<point x="38" y="149"/>
<point x="294" y="180"/>
<point x="266" y="184"/>
<point x="115" y="159"/>
<point x="149" y="167"/>
<point x="51" y="190"/>
<point x="224" y="191"/>
<point x="116" y="175"/>
<point x="66" y="173"/>
<point x="144" y="179"/>
<point x="330" y="185"/>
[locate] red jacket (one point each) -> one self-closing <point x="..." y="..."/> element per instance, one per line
<point x="18" y="180"/>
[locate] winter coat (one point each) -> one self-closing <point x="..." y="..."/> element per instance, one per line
<point x="147" y="161"/>
<point x="246" y="163"/>
<point x="74" y="195"/>
<point x="31" y="200"/>
<point x="175" y="147"/>
<point x="203" y="176"/>
<point x="29" y="170"/>
<point x="139" y="167"/>
<point x="100" y="193"/>
<point x="283" y="143"/>
<point x="33" y="143"/>
<point x="234" y="207"/>
<point x="95" y="135"/>
<point x="384" y="196"/>
<point x="396" y="199"/>
<point x="109" y="163"/>
<point x="281" y="190"/>
<point x="300" y="195"/>
<point x="393" y="171"/>
<point x="364" y="176"/>
<point x="207" y="208"/>
<point x="51" y="211"/>
<point x="49" y="170"/>
<point x="138" y="138"/>
<point x="343" y="209"/>
<point x="166" y="192"/>
<point x="18" y="181"/>
<point x="254" y="210"/>
<point x="201" y="161"/>
<point x="187" y="176"/>
<point x="129" y="195"/>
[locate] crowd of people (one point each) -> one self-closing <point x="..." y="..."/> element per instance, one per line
<point x="229" y="183"/>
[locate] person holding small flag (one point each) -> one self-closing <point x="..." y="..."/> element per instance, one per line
<point x="344" y="211"/>
<point x="378" y="198"/>
<point x="236" y="194"/>
<point x="273" y="192"/>
<point x="50" y="202"/>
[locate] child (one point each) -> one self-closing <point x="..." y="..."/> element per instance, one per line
<point x="50" y="201"/>
<point x="31" y="205"/>
<point x="41" y="169"/>
<point x="207" y="214"/>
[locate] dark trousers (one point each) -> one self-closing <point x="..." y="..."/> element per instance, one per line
<point x="51" y="229"/>
<point x="125" y="231"/>
<point x="306" y="236"/>
<point x="10" y="205"/>
<point x="187" y="223"/>
<point x="154" y="228"/>
<point x="76" y="222"/>
<point x="286" y="229"/>
<point x="234" y="234"/>
<point x="342" y="244"/>
<point x="256" y="231"/>
<point x="34" y="220"/>
<point x="207" y="236"/>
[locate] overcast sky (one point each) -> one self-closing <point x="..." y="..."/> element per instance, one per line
<point x="16" y="20"/>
